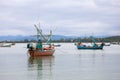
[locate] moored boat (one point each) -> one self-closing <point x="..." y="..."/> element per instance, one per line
<point x="107" y="44"/>
<point x="5" y="45"/>
<point x="35" y="53"/>
<point x="40" y="49"/>
<point x="57" y="45"/>
<point x="90" y="47"/>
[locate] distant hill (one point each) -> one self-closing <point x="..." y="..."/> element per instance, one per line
<point x="19" y="37"/>
<point x="112" y="38"/>
<point x="60" y="38"/>
<point x="15" y="38"/>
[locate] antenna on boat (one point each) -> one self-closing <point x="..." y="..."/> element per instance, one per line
<point x="93" y="40"/>
<point x="49" y="39"/>
<point x="37" y="31"/>
<point x="39" y="27"/>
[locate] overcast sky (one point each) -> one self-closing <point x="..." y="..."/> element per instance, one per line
<point x="64" y="17"/>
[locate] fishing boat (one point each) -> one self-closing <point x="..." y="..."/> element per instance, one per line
<point x="13" y="43"/>
<point x="93" y="46"/>
<point x="57" y="45"/>
<point x="89" y="47"/>
<point x="5" y="45"/>
<point x="40" y="49"/>
<point x="107" y="44"/>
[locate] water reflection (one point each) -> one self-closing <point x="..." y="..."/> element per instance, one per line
<point x="92" y="56"/>
<point x="42" y="65"/>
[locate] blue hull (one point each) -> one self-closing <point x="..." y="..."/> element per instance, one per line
<point x="86" y="47"/>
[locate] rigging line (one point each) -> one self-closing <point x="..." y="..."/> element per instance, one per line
<point x="49" y="37"/>
<point x="39" y="32"/>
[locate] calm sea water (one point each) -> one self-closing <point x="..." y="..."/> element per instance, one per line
<point x="67" y="63"/>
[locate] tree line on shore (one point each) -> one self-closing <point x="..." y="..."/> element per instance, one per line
<point x="85" y="39"/>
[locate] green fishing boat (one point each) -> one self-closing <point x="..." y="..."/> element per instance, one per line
<point x="93" y="46"/>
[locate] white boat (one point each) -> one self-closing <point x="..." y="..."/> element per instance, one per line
<point x="107" y="44"/>
<point x="5" y="45"/>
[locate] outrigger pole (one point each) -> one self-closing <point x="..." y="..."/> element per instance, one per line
<point x="49" y="39"/>
<point x="39" y="33"/>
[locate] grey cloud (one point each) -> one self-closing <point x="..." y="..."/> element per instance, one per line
<point x="71" y="17"/>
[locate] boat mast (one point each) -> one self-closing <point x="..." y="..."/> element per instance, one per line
<point x="47" y="38"/>
<point x="39" y="33"/>
<point x="93" y="40"/>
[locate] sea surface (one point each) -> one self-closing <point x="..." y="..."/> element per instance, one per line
<point x="67" y="63"/>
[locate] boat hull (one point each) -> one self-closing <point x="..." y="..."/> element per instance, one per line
<point x="82" y="47"/>
<point x="5" y="46"/>
<point x="35" y="53"/>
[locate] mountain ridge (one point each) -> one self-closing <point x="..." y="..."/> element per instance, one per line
<point x="54" y="37"/>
